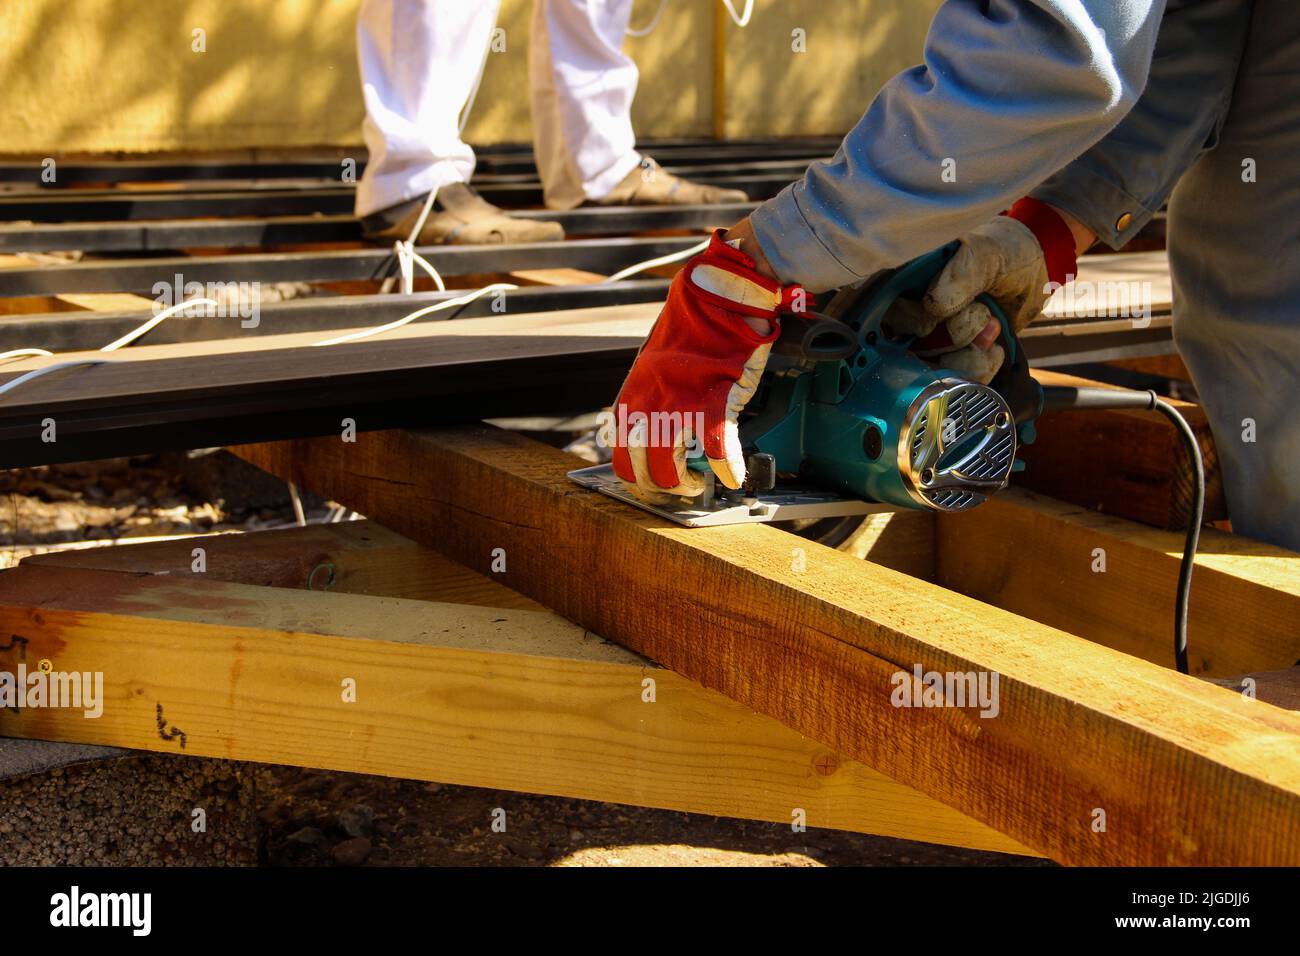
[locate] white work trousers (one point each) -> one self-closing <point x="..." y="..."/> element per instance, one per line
<point x="420" y="59"/>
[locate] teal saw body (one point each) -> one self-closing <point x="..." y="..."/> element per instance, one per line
<point x="862" y="415"/>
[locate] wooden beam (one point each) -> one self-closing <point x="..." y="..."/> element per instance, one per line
<point x="482" y="696"/>
<point x="351" y="557"/>
<point x="1184" y="772"/>
<point x="898" y="538"/>
<point x="555" y="277"/>
<point x="250" y="360"/>
<point x="1280" y="688"/>
<point x="254" y="359"/>
<point x="1140" y="283"/>
<point x="1038" y="557"/>
<point x="1128" y="463"/>
<point x="107" y="301"/>
<point x="1166" y="366"/>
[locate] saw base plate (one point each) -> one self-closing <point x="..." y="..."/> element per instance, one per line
<point x="784" y="503"/>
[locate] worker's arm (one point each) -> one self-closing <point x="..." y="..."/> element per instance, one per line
<point x="1115" y="187"/>
<point x="1110" y="191"/>
<point x="1010" y="91"/>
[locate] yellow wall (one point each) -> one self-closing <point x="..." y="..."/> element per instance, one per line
<point x="120" y="75"/>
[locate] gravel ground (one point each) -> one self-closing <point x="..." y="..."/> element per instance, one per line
<point x="132" y="810"/>
<point x="317" y="818"/>
<point x="137" y="809"/>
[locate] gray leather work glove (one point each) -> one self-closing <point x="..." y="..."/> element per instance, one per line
<point x="1019" y="259"/>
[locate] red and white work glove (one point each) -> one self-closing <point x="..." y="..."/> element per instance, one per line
<point x="1013" y="258"/>
<point x="697" y="370"/>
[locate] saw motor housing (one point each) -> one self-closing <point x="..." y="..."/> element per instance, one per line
<point x="846" y="404"/>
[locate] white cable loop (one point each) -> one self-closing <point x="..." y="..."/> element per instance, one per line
<point x="407" y="257"/>
<point x="661" y="261"/>
<point x="646" y="31"/>
<point x="424" y="264"/>
<point x="741" y="20"/>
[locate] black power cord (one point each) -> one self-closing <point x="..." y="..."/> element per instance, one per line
<point x="1066" y="397"/>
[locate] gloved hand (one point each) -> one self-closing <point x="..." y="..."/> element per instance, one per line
<point x="1013" y="258"/>
<point x="697" y="370"/>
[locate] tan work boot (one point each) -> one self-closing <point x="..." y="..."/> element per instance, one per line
<point x="459" y="217"/>
<point x="652" y="185"/>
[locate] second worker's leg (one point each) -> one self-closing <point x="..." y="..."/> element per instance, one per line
<point x="582" y="89"/>
<point x="420" y="60"/>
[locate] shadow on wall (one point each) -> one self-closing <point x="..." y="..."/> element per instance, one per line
<point x="96" y="75"/>
<point x="808" y="67"/>
<point x="223" y="75"/>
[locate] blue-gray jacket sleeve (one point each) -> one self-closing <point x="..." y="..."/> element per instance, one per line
<point x="1010" y="91"/>
<point x="1118" y="185"/>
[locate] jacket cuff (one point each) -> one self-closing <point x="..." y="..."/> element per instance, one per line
<point x="1053" y="235"/>
<point x="1108" y="210"/>
<point x="792" y="248"/>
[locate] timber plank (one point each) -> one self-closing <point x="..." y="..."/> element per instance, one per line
<point x="1280" y="687"/>
<point x="1168" y="366"/>
<point x="255" y="359"/>
<point x="489" y="697"/>
<point x="556" y="276"/>
<point x="1186" y="772"/>
<point x="199" y="394"/>
<point x="630" y="322"/>
<point x="1126" y="282"/>
<point x="351" y="557"/>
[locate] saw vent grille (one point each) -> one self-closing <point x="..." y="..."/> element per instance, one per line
<point x="973" y="452"/>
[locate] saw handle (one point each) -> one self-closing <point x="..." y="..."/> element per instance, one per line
<point x="815" y="338"/>
<point x="1020" y="390"/>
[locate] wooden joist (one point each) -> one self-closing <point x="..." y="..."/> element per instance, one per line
<point x="504" y="694"/>
<point x="1114" y="581"/>
<point x="199" y="394"/>
<point x="1177" y="771"/>
<point x="1166" y="366"/>
<point x="351" y="557"/>
<point x="555" y="276"/>
<point x="266" y="383"/>
<point x="1136" y="283"/>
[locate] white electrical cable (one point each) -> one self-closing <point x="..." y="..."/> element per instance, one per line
<point x="424" y="215"/>
<point x="25" y="353"/>
<point x="741" y="20"/>
<point x="495" y="287"/>
<point x="37" y="373"/>
<point x="160" y="317"/>
<point x="661" y="261"/>
<point x="411" y="317"/>
<point x="110" y="347"/>
<point x="407" y="257"/>
<point x="645" y="32"/>
<point x="298" y="513"/>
